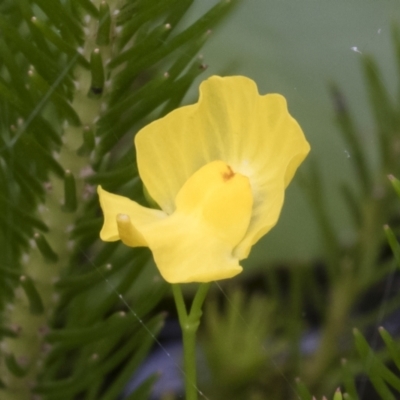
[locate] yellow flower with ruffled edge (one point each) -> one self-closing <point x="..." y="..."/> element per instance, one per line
<point x="218" y="169"/>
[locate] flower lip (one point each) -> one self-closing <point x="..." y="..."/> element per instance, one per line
<point x="195" y="242"/>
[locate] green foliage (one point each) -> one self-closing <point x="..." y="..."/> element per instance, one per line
<point x="77" y="80"/>
<point x="385" y="381"/>
<point x="378" y="373"/>
<point x="242" y="324"/>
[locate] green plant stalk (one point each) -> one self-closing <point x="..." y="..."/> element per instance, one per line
<point x="189" y="325"/>
<point x="29" y="348"/>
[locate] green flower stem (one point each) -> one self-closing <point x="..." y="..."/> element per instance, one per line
<point x="189" y="325"/>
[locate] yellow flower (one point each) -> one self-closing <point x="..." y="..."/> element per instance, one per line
<point x="218" y="170"/>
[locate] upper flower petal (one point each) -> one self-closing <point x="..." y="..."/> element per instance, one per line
<point x="255" y="135"/>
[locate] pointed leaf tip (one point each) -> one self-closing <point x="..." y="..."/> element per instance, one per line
<point x="35" y="302"/>
<point x="103" y="32"/>
<point x="70" y="201"/>
<point x="44" y="248"/>
<point x="15" y="366"/>
<point x="338" y="395"/>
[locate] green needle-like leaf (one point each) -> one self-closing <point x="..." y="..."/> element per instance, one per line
<point x="61" y="17"/>
<point x="394" y="244"/>
<point x="377" y="372"/>
<point x="45" y="249"/>
<point x="302" y="390"/>
<point x="349" y="380"/>
<point x="97" y="70"/>
<point x="351" y="135"/>
<point x="70" y="200"/>
<point x="103" y="32"/>
<point x="393" y="347"/>
<point x="61" y="44"/>
<point x="35" y="302"/>
<point x="15" y="368"/>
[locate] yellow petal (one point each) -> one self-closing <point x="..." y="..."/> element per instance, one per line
<point x="128" y="233"/>
<point x="255" y="135"/>
<point x="185" y="249"/>
<point x="196" y="242"/>
<point x="221" y="198"/>
<point x="114" y="205"/>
